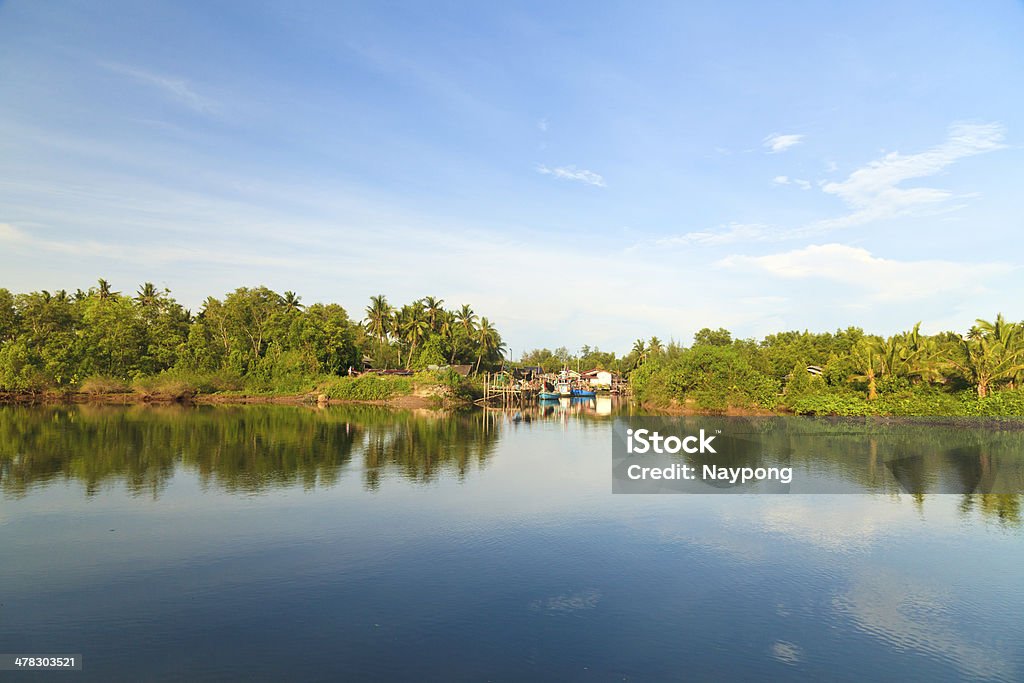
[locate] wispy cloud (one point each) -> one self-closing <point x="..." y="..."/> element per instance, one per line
<point x="178" y="89"/>
<point x="873" y="191"/>
<point x="572" y="173"/>
<point x="734" y="232"/>
<point x="155" y="254"/>
<point x="883" y="279"/>
<point x="786" y="180"/>
<point x="542" y="125"/>
<point x="777" y="142"/>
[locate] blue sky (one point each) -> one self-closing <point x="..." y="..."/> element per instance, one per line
<point x="580" y="173"/>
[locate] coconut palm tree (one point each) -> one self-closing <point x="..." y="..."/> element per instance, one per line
<point x="433" y="307"/>
<point x="379" y="318"/>
<point x="640" y="350"/>
<point x="104" y="290"/>
<point x="147" y="294"/>
<point x="993" y="355"/>
<point x="415" y="328"/>
<point x="291" y="302"/>
<point x="867" y="358"/>
<point x="654" y="346"/>
<point x="467" y="319"/>
<point x="446" y="329"/>
<point x="488" y="341"/>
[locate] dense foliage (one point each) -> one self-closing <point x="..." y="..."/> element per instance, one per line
<point x="843" y="373"/>
<point x="253" y="339"/>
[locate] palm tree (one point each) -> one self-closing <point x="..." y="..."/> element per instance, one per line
<point x="866" y="356"/>
<point x="104" y="290"/>
<point x="433" y="309"/>
<point x="291" y="302"/>
<point x="640" y="349"/>
<point x="446" y="329"/>
<point x="994" y="354"/>
<point x="378" y="318"/>
<point x="415" y="327"/>
<point x="467" y="318"/>
<point x="906" y="355"/>
<point x="488" y="341"/>
<point x="147" y="294"/>
<point x="654" y="346"/>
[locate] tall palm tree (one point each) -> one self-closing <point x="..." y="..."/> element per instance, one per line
<point x="446" y="329"/>
<point x="147" y="294"/>
<point x="467" y="319"/>
<point x="640" y="349"/>
<point x="488" y="341"/>
<point x="104" y="290"/>
<point x="434" y="309"/>
<point x="654" y="346"/>
<point x="415" y="328"/>
<point x="291" y="302"/>
<point x="378" y="318"/>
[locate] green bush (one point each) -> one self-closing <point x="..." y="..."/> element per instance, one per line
<point x="845" y="403"/>
<point x="713" y="377"/>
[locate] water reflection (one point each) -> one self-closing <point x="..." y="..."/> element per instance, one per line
<point x="485" y="545"/>
<point x="251" y="449"/>
<point x="243" y="448"/>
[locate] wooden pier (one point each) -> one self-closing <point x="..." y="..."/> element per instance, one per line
<point x="505" y="389"/>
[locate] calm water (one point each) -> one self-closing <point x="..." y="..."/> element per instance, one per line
<point x="282" y="543"/>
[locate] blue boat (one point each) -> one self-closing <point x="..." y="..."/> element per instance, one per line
<point x="547" y="395"/>
<point x="583" y="393"/>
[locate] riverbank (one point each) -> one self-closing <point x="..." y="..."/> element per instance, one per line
<point x="411" y="401"/>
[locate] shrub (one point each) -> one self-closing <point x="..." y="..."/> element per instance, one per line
<point x="100" y="384"/>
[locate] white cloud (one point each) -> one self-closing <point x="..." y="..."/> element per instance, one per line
<point x="786" y="180"/>
<point x="177" y="89"/>
<point x="873" y="191"/>
<point x="542" y="125"/>
<point x="883" y="279"/>
<point x="572" y="173"/>
<point x="779" y="143"/>
<point x="734" y="232"/>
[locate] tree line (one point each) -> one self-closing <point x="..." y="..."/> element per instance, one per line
<point x="253" y="337"/>
<point x="846" y="372"/>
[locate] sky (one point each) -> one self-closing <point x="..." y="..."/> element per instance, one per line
<point x="580" y="173"/>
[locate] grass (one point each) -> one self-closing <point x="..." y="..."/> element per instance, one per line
<point x="100" y="384"/>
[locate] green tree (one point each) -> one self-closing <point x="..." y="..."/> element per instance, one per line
<point x="992" y="354"/>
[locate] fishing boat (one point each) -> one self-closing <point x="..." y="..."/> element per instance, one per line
<point x="583" y="393"/>
<point x="547" y="395"/>
<point x="564" y="389"/>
